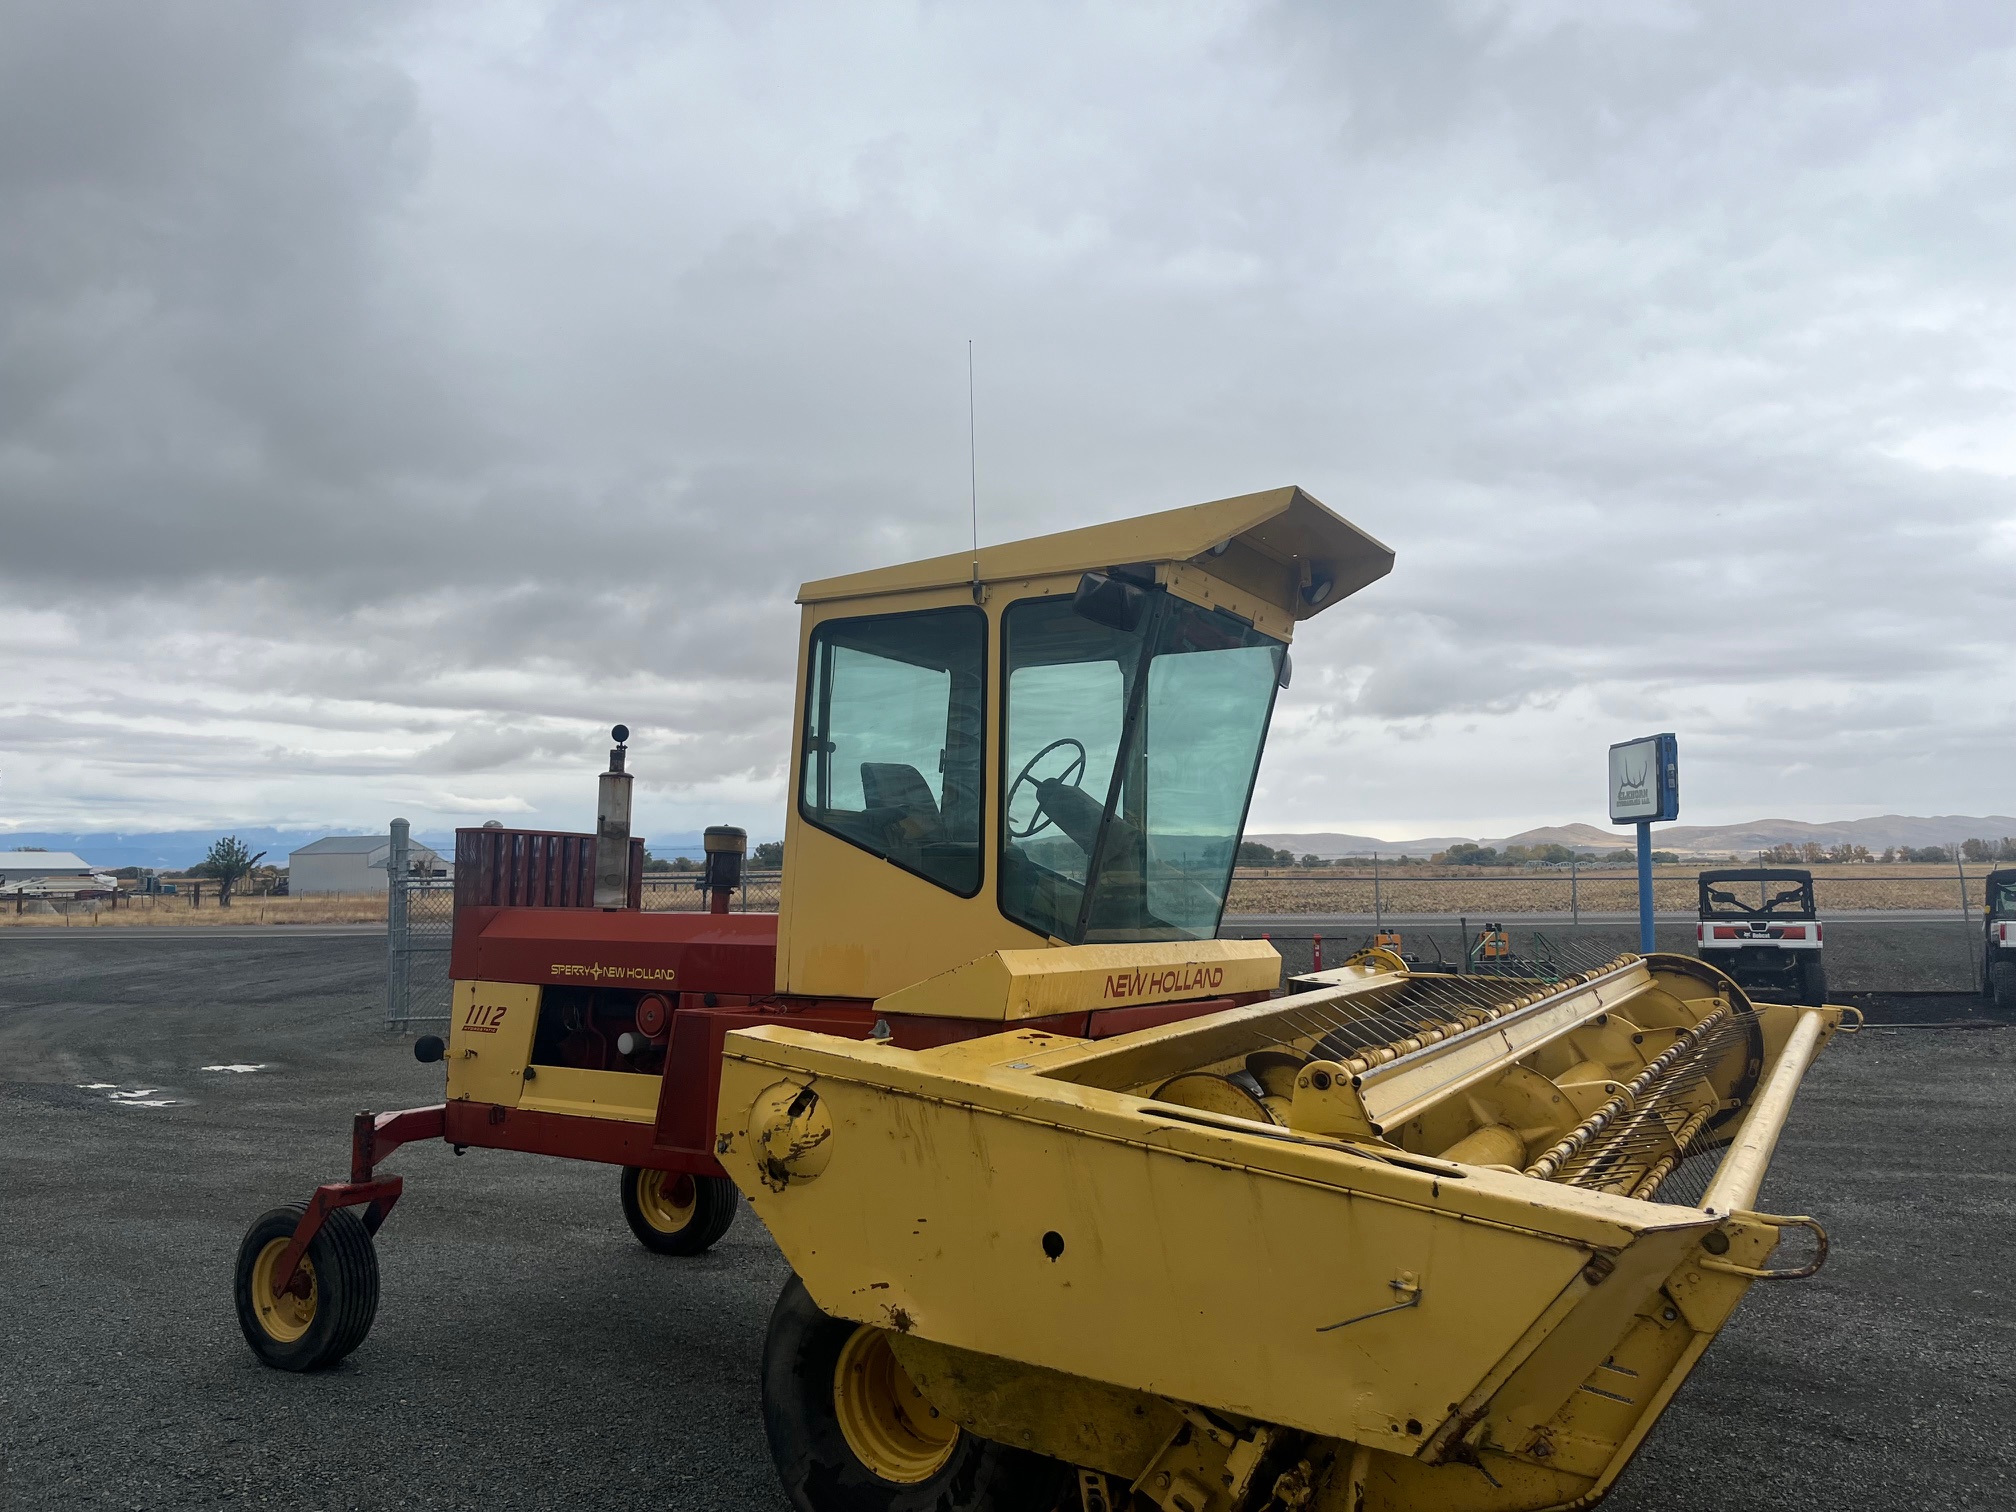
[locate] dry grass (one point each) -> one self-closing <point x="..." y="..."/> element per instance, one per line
<point x="153" y="912"/>
<point x="1481" y="891"/>
<point x="1402" y="890"/>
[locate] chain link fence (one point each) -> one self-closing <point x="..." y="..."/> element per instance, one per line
<point x="1904" y="954"/>
<point x="419" y="927"/>
<point x="680" y="892"/>
<point x="1876" y="955"/>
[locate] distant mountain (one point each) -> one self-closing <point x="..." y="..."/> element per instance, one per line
<point x="1332" y="846"/>
<point x="1574" y="836"/>
<point x="1741" y="840"/>
<point x="173" y="850"/>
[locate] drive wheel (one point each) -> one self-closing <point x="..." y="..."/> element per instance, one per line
<point x="850" y="1433"/>
<point x="328" y="1310"/>
<point x="1813" y="983"/>
<point x="2002" y="976"/>
<point x="676" y="1214"/>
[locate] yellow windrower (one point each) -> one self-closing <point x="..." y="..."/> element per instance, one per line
<point x="1397" y="1240"/>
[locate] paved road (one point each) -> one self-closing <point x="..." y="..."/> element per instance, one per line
<point x="529" y="1355"/>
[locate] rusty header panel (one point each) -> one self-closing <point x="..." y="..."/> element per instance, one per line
<point x="507" y="868"/>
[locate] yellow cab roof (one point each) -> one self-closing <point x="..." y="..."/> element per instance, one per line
<point x="1272" y="544"/>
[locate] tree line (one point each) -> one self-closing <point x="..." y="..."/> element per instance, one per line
<point x="1977" y="850"/>
<point x="768" y="856"/>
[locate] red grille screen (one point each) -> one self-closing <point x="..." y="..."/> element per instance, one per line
<point x="507" y="868"/>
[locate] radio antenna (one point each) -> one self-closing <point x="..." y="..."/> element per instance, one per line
<point x="973" y="468"/>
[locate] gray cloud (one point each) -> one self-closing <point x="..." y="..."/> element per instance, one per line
<point x="391" y="398"/>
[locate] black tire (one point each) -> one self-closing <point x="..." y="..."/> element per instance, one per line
<point x="673" y="1214"/>
<point x="819" y="1469"/>
<point x="342" y="1267"/>
<point x="1988" y="973"/>
<point x="1813" y="982"/>
<point x="2002" y="976"/>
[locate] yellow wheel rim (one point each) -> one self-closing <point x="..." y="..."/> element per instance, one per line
<point x="285" y="1317"/>
<point x="666" y="1199"/>
<point x="884" y="1418"/>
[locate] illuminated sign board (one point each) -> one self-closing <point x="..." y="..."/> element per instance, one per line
<point x="1645" y="780"/>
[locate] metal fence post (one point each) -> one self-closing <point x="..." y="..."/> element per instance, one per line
<point x="1974" y="960"/>
<point x="1574" y="887"/>
<point x="1378" y="911"/>
<point x="397" y="868"/>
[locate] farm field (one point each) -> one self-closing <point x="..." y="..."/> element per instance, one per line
<point x="1319" y="890"/>
<point x="155" y="912"/>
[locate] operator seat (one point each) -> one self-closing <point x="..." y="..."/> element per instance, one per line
<point x="900" y="808"/>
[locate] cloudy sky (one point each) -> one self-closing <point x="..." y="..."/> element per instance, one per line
<point x="394" y="396"/>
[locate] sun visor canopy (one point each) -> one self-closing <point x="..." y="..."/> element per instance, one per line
<point x="1281" y="546"/>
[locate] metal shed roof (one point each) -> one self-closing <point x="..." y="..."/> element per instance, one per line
<point x="45" y="862"/>
<point x="354" y="845"/>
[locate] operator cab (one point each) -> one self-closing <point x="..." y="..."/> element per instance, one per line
<point x="1047" y="743"/>
<point x="1760" y="925"/>
<point x="2002" y="894"/>
<point x="1780" y="893"/>
<point x="1097" y="843"/>
<point x="1998" y="963"/>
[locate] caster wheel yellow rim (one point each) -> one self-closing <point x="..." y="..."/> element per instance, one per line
<point x="291" y="1314"/>
<point x="667" y="1200"/>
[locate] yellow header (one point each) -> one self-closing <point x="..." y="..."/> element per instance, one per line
<point x="1025" y="984"/>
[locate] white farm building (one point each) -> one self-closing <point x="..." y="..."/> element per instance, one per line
<point x="353" y="864"/>
<point x="27" y="866"/>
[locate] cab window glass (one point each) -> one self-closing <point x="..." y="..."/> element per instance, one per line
<point x="1129" y="756"/>
<point x="893" y="739"/>
<point x="1068" y="686"/>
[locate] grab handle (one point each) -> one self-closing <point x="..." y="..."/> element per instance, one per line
<point x="1757" y="1273"/>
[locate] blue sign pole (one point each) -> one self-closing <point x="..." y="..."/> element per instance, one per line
<point x="1645" y="787"/>
<point x="1647" y="941"/>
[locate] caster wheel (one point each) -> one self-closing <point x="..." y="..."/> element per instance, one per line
<point x="1813" y="984"/>
<point x="2002" y="982"/>
<point x="850" y="1433"/>
<point x="674" y="1214"/>
<point x="328" y="1310"/>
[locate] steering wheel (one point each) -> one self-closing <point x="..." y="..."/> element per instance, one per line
<point x="1040" y="820"/>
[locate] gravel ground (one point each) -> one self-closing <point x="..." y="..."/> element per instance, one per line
<point x="529" y="1354"/>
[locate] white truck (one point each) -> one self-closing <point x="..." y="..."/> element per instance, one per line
<point x="1998" y="964"/>
<point x="1759" y="925"/>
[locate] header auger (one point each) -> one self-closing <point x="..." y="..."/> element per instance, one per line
<point x="1083" y="1214"/>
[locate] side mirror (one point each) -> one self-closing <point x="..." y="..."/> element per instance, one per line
<point x="429" y="1048"/>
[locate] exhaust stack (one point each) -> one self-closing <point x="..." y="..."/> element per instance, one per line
<point x="612" y="828"/>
